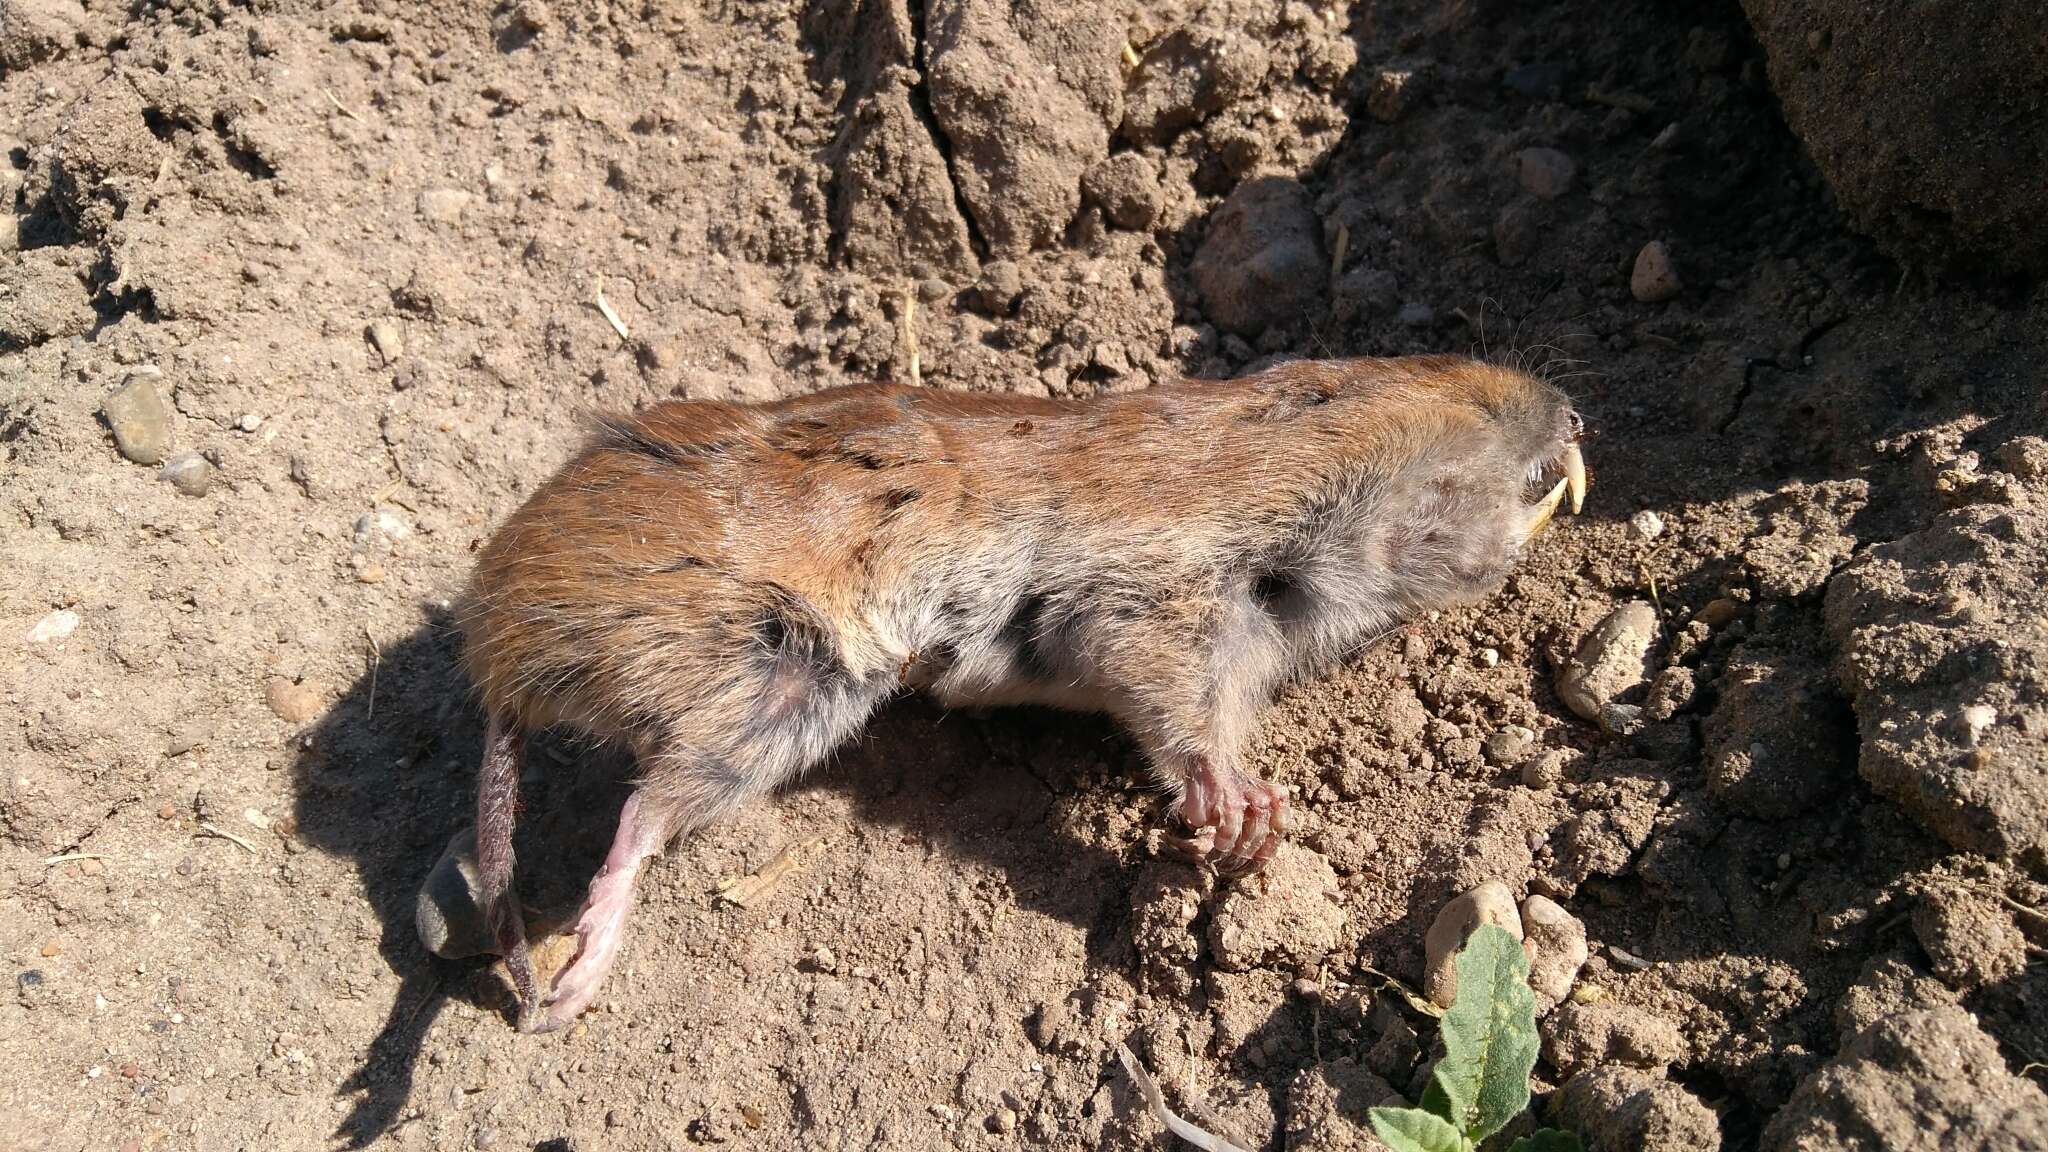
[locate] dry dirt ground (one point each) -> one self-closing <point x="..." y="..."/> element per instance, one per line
<point x="356" y="248"/>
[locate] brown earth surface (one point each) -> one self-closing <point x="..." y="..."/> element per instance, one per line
<point x="357" y="251"/>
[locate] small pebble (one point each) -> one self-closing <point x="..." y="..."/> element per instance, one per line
<point x="1510" y="744"/>
<point x="752" y="1116"/>
<point x="387" y="340"/>
<point x="1545" y="771"/>
<point x="1609" y="661"/>
<point x="52" y="948"/>
<point x="1489" y="657"/>
<point x="1555" y="941"/>
<point x="1545" y="173"/>
<point x="249" y="422"/>
<point x="1655" y="279"/>
<point x="1625" y="960"/>
<point x="139" y="418"/>
<point x="1492" y="902"/>
<point x="1977" y="720"/>
<point x="1004" y="1121"/>
<point x="444" y="205"/>
<point x="293" y="703"/>
<point x="91" y="866"/>
<point x="167" y="811"/>
<point x="189" y="472"/>
<point x="55" y="626"/>
<point x="1647" y="524"/>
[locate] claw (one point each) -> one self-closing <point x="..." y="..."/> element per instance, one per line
<point x="1546" y="508"/>
<point x="1575" y="477"/>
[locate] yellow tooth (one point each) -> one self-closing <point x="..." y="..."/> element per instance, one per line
<point x="1575" y="477"/>
<point x="1546" y="509"/>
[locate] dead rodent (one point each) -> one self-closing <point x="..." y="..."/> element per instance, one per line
<point x="731" y="590"/>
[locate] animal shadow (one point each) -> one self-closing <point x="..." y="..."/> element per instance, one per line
<point x="387" y="777"/>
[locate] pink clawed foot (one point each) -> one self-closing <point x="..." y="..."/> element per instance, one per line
<point x="600" y="930"/>
<point x="1236" y="822"/>
<point x="601" y="926"/>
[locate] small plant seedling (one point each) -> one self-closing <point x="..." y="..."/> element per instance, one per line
<point x="1490" y="1044"/>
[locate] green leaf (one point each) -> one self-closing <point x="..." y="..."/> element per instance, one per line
<point x="1547" y="1140"/>
<point x="1434" y="1100"/>
<point x="1413" y="1130"/>
<point x="1489" y="1035"/>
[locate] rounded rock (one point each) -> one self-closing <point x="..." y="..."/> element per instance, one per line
<point x="1612" y="659"/>
<point x="293" y="703"/>
<point x="1971" y="940"/>
<point x="1555" y="941"/>
<point x="1545" y="771"/>
<point x="385" y="337"/>
<point x="139" y="418"/>
<point x="1577" y="1037"/>
<point x="1510" y="744"/>
<point x="1911" y="122"/>
<point x="1655" y="279"/>
<point x="1492" y="902"/>
<point x="189" y="472"/>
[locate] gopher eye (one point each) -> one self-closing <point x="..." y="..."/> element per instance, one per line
<point x="1575" y="428"/>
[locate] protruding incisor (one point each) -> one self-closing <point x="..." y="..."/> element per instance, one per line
<point x="1547" y="508"/>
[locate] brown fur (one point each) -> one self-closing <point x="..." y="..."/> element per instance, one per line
<point x="732" y="589"/>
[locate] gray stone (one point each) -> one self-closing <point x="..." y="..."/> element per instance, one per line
<point x="1026" y="96"/>
<point x="139" y="418"/>
<point x="1416" y="314"/>
<point x="444" y="205"/>
<point x="386" y="338"/>
<point x="1911" y="121"/>
<point x="189" y="472"/>
<point x="1509" y="745"/>
<point x="1545" y="771"/>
